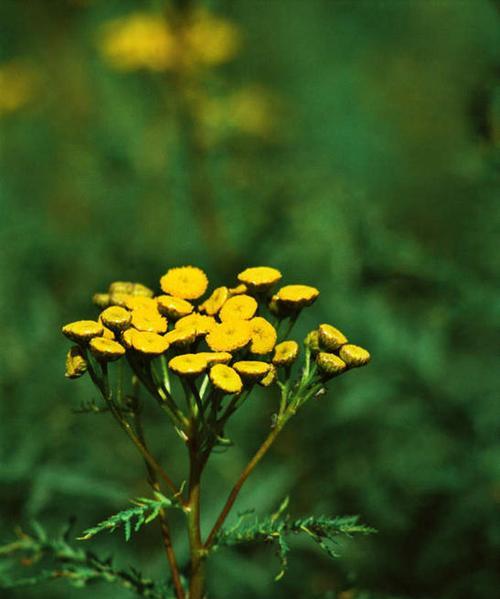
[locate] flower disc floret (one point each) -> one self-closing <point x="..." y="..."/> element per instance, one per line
<point x="285" y="353"/>
<point x="297" y="296"/>
<point x="188" y="364"/>
<point x="83" y="330"/>
<point x="225" y="379"/>
<point x="260" y="278"/>
<point x="174" y="307"/>
<point x="148" y="321"/>
<point x="263" y="336"/>
<point x="239" y="307"/>
<point x="186" y="282"/>
<point x="202" y="323"/>
<point x="116" y="318"/>
<point x="354" y="356"/>
<point x="330" y="338"/>
<point x="214" y="303"/>
<point x="330" y="364"/>
<point x="150" y="344"/>
<point x="252" y="370"/>
<point x="229" y="336"/>
<point x="106" y="349"/>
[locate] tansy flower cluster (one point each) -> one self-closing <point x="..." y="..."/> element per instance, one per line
<point x="217" y="343"/>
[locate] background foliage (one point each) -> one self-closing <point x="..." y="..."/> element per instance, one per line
<point x="352" y="144"/>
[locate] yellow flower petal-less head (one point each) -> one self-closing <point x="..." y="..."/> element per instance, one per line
<point x="186" y="282"/>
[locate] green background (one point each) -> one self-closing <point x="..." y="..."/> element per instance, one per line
<point x="377" y="181"/>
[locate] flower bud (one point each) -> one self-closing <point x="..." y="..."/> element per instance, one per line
<point x="330" y="338"/>
<point x="330" y="365"/>
<point x="115" y="318"/>
<point x="76" y="365"/>
<point x="354" y="356"/>
<point x="285" y="353"/>
<point x="106" y="350"/>
<point x="312" y="341"/>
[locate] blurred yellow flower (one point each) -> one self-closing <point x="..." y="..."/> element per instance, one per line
<point x="76" y="365"/>
<point x="17" y="85"/>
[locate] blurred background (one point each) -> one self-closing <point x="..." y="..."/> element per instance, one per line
<point x="352" y="144"/>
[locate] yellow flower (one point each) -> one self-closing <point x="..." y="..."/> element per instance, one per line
<point x="106" y="349"/>
<point x="238" y="290"/>
<point x="214" y="303"/>
<point x="252" y="370"/>
<point x="150" y="344"/>
<point x="121" y="287"/>
<point x="225" y="378"/>
<point x="239" y="307"/>
<point x="173" y="307"/>
<point x="260" y="278"/>
<point x="312" y="341"/>
<point x="138" y="41"/>
<point x="101" y="300"/>
<point x="330" y="364"/>
<point x="285" y="353"/>
<point x="297" y="296"/>
<point x="203" y="324"/>
<point x="229" y="336"/>
<point x="186" y="282"/>
<point x="140" y="290"/>
<point x="76" y="365"/>
<point x="108" y="333"/>
<point x="141" y="301"/>
<point x="116" y="318"/>
<point x="263" y="336"/>
<point x="188" y="365"/>
<point x="17" y="82"/>
<point x="82" y="330"/>
<point x="330" y="338"/>
<point x="117" y="298"/>
<point x="270" y="377"/>
<point x="181" y="337"/>
<point x="214" y="357"/>
<point x="354" y="356"/>
<point x="209" y="40"/>
<point x="148" y="321"/>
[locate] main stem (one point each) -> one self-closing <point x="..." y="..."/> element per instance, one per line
<point x="197" y="550"/>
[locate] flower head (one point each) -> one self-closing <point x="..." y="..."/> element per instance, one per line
<point x="181" y="337"/>
<point x="173" y="307"/>
<point x="101" y="300"/>
<point x="132" y="302"/>
<point x="115" y="318"/>
<point x="188" y="365"/>
<point x="149" y="344"/>
<point x="148" y="321"/>
<point x="238" y="290"/>
<point x="76" y="365"/>
<point x="297" y="296"/>
<point x="106" y="349"/>
<point x="354" y="356"/>
<point x="270" y="377"/>
<point x="239" y="307"/>
<point x="203" y="324"/>
<point x="285" y="353"/>
<point x="215" y="357"/>
<point x="252" y="370"/>
<point x="82" y="330"/>
<point x="186" y="282"/>
<point x="263" y="336"/>
<point x="225" y="378"/>
<point x="330" y="364"/>
<point x="330" y="338"/>
<point x="214" y="303"/>
<point x="229" y="336"/>
<point x="260" y="278"/>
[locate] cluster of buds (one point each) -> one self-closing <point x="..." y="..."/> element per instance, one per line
<point x="232" y="338"/>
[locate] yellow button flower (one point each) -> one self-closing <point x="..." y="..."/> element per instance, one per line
<point x="354" y="356"/>
<point x="238" y="290"/>
<point x="330" y="364"/>
<point x="285" y="353"/>
<point x="214" y="303"/>
<point x="116" y="318"/>
<point x="215" y="357"/>
<point x="203" y="324"/>
<point x="106" y="349"/>
<point x="117" y="298"/>
<point x="252" y="370"/>
<point x="229" y="336"/>
<point x="150" y="344"/>
<point x="82" y="330"/>
<point x="297" y="296"/>
<point x="330" y="338"/>
<point x="141" y="301"/>
<point x="76" y="365"/>
<point x="148" y="321"/>
<point x="108" y="333"/>
<point x="239" y="307"/>
<point x="186" y="282"/>
<point x="173" y="307"/>
<point x="225" y="378"/>
<point x="188" y="365"/>
<point x="140" y="290"/>
<point x="181" y="337"/>
<point x="125" y="287"/>
<point x="101" y="300"/>
<point x="263" y="336"/>
<point x="270" y="377"/>
<point x="260" y="278"/>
